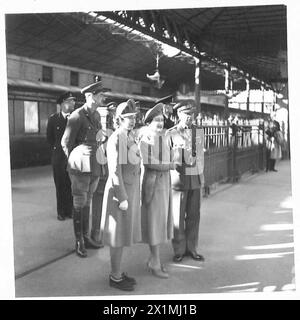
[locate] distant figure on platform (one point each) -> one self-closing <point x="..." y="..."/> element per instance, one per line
<point x="274" y="140"/>
<point x="80" y="143"/>
<point x="157" y="215"/>
<point x="187" y="147"/>
<point x="121" y="210"/>
<point x="55" y="129"/>
<point x="167" y="111"/>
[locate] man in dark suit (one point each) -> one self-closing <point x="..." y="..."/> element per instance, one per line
<point x="80" y="143"/>
<point x="55" y="129"/>
<point x="187" y="146"/>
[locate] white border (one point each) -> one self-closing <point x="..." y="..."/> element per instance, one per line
<point x="34" y="6"/>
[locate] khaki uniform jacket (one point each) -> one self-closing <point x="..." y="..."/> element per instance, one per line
<point x="188" y="152"/>
<point x="79" y="142"/>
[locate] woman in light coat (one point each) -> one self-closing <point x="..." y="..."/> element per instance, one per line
<point x="120" y="223"/>
<point x="157" y="221"/>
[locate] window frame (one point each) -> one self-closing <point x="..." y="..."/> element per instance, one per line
<point x="37" y="117"/>
<point x="76" y="75"/>
<point x="47" y="74"/>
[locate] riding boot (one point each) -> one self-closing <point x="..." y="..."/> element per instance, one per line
<point x="88" y="242"/>
<point x="78" y="224"/>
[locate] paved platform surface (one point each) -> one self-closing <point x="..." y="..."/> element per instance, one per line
<point x="246" y="236"/>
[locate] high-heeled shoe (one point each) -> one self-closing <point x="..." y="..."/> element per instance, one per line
<point x="158" y="272"/>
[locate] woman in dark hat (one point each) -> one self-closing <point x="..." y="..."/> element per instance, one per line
<point x="157" y="222"/>
<point x="121" y="211"/>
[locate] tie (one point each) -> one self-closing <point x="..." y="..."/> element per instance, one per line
<point x="160" y="148"/>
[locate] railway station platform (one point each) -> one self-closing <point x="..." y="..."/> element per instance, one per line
<point x="246" y="236"/>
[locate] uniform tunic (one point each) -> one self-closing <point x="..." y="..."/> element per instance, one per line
<point x="157" y="218"/>
<point x="80" y="143"/>
<point x="122" y="228"/>
<point x="187" y="148"/>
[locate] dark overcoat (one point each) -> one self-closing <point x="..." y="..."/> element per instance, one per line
<point x="55" y="129"/>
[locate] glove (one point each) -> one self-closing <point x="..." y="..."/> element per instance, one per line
<point x="123" y="205"/>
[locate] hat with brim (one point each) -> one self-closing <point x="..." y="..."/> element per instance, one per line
<point x="184" y="108"/>
<point x="153" y="112"/>
<point x="111" y="106"/>
<point x="94" y="88"/>
<point x="166" y="100"/>
<point x="65" y="96"/>
<point x="126" y="109"/>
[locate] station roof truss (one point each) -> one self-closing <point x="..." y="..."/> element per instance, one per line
<point x="250" y="40"/>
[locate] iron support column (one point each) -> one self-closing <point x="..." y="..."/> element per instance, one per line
<point x="248" y="96"/>
<point x="262" y="88"/>
<point x="227" y="89"/>
<point x="197" y="84"/>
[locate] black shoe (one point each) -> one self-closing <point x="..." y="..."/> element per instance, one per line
<point x="80" y="249"/>
<point x="92" y="244"/>
<point x="121" y="284"/>
<point x="60" y="217"/>
<point x="178" y="257"/>
<point x="129" y="279"/>
<point x="69" y="216"/>
<point x="273" y="170"/>
<point x="195" y="256"/>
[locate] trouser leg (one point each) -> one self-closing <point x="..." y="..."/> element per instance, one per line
<point x="97" y="210"/>
<point x="89" y="242"/>
<point x="68" y="203"/>
<point x="57" y="176"/>
<point x="179" y="210"/>
<point x="272" y="164"/>
<point x="63" y="189"/>
<point x="192" y="220"/>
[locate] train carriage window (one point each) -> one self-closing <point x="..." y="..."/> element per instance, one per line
<point x="74" y="78"/>
<point x="47" y="74"/>
<point x="31" y="117"/>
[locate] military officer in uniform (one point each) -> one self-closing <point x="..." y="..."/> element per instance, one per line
<point x="167" y="110"/>
<point x="187" y="178"/>
<point x="98" y="194"/>
<point x="80" y="145"/>
<point x="55" y="129"/>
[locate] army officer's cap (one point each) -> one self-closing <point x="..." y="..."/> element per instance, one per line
<point x="65" y="96"/>
<point x="94" y="88"/>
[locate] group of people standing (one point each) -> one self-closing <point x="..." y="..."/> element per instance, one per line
<point x="143" y="185"/>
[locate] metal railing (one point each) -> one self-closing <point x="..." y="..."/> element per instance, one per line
<point x="231" y="151"/>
